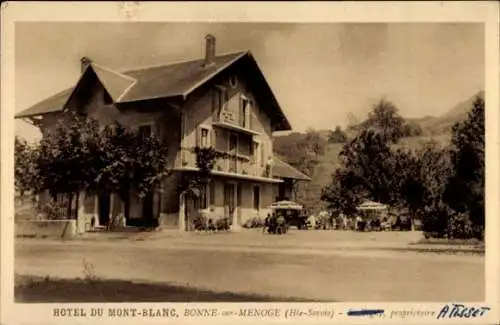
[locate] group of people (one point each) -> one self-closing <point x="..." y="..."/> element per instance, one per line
<point x="275" y="223"/>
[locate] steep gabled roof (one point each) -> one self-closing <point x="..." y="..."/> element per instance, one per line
<point x="283" y="170"/>
<point x="167" y="81"/>
<point x="178" y="79"/>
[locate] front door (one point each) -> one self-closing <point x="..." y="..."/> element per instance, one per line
<point x="229" y="204"/>
<point x="147" y="208"/>
<point x="104" y="202"/>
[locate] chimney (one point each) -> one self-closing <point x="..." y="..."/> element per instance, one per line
<point x="84" y="63"/>
<point x="209" y="50"/>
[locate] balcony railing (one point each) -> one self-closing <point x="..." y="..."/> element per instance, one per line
<point x="233" y="121"/>
<point x="233" y="164"/>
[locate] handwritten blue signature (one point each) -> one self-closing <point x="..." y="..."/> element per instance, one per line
<point x="462" y="311"/>
<point x="365" y="312"/>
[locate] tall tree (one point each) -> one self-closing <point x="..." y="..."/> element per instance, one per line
<point x="64" y="161"/>
<point x="370" y="164"/>
<point x="128" y="163"/>
<point x="385" y="120"/>
<point x="344" y="193"/>
<point x="465" y="188"/>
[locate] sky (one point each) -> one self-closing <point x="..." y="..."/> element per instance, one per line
<point x="323" y="74"/>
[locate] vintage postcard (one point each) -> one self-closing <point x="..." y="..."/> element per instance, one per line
<point x="210" y="162"/>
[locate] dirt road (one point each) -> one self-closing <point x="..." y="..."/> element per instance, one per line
<point x="272" y="266"/>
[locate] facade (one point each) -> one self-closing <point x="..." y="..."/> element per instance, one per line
<point x="222" y="102"/>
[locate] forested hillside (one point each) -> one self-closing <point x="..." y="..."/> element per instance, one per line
<point x="316" y="152"/>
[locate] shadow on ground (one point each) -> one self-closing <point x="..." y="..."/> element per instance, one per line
<point x="29" y="289"/>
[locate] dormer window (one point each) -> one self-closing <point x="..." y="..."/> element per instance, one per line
<point x="233" y="81"/>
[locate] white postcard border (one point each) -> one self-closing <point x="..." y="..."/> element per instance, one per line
<point x="486" y="12"/>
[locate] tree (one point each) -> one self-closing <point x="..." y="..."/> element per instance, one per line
<point x="421" y="176"/>
<point x="26" y="175"/>
<point x="385" y="120"/>
<point x="465" y="188"/>
<point x="412" y="129"/>
<point x="337" y="136"/>
<point x="80" y="156"/>
<point x="64" y="161"/>
<point x="128" y="163"/>
<point x="369" y="163"/>
<point x="344" y="193"/>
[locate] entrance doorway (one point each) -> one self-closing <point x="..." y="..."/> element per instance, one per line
<point x="229" y="204"/>
<point x="104" y="202"/>
<point x="147" y="206"/>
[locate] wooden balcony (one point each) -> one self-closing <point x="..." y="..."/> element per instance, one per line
<point x="231" y="121"/>
<point x="238" y="166"/>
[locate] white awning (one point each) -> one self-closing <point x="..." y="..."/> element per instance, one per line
<point x="286" y="205"/>
<point x="370" y="205"/>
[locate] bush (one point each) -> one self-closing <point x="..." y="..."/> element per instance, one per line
<point x="453" y="226"/>
<point x="208" y="224"/>
<point x="54" y="210"/>
<point x="223" y="224"/>
<point x="255" y="222"/>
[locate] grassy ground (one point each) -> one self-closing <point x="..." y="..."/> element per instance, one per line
<point x="33" y="289"/>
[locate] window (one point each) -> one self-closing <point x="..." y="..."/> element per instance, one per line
<point x="204" y="142"/>
<point x="233" y="143"/>
<point x="203" y="197"/>
<point x="233" y="81"/>
<point x="222" y="97"/>
<point x="144" y="131"/>
<point x="255" y="152"/>
<point x="256" y="198"/>
<point x="245" y="109"/>
<point x="282" y="191"/>
<point x="212" y="193"/>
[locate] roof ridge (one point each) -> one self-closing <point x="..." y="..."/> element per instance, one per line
<point x="120" y="74"/>
<point x="180" y="62"/>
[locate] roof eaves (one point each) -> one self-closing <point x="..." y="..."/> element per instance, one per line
<point x="303" y="176"/>
<point x="21" y="115"/>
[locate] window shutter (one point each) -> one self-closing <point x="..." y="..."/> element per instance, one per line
<point x="249" y="114"/>
<point x="262" y="155"/>
<point x="213" y="138"/>
<point x="198" y="137"/>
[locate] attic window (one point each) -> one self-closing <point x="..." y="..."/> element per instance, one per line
<point x="107" y="98"/>
<point x="233" y="82"/>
